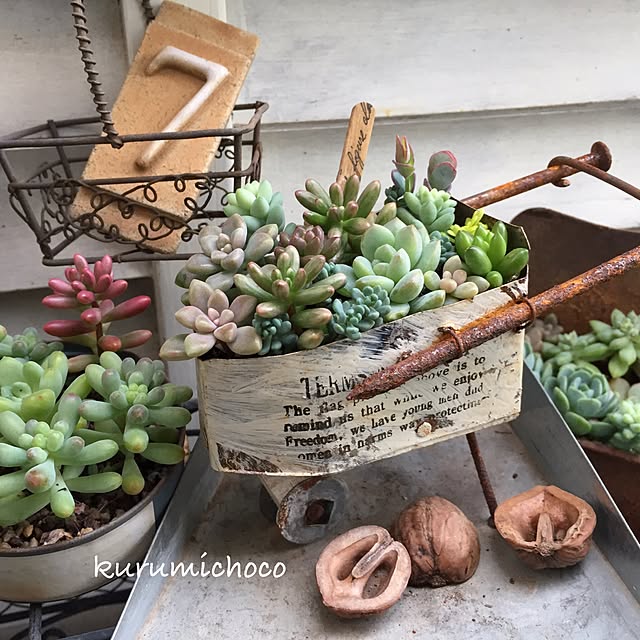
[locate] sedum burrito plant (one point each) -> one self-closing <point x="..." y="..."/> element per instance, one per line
<point x="262" y="288"/>
<point x="92" y="293"/>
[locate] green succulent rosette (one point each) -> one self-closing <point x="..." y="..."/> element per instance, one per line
<point x="621" y="339"/>
<point x="582" y="395"/>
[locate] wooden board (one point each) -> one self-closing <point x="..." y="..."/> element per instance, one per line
<point x="148" y="102"/>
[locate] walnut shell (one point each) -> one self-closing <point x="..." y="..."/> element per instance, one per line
<point x="442" y="542"/>
<point x="549" y="528"/>
<point x="362" y="572"/>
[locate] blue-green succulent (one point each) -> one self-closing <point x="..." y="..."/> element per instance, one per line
<point x="365" y="310"/>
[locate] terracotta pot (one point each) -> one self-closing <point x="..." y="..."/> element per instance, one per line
<point x="67" y="569"/>
<point x="620" y="471"/>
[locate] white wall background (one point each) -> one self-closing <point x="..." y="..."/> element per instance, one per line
<point x="506" y="86"/>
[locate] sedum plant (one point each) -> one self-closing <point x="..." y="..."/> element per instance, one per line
<point x="433" y="207"/>
<point x="309" y="241"/>
<point x="277" y="335"/>
<point x="139" y="410"/>
<point x="30" y="390"/>
<point x="365" y="310"/>
<point x="26" y="345"/>
<point x="288" y="287"/>
<point x="625" y="426"/>
<point x="258" y="205"/>
<point x="621" y="339"/>
<point x="92" y="293"/>
<point x="226" y="250"/>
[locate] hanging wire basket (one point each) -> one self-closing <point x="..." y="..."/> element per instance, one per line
<point x="44" y="166"/>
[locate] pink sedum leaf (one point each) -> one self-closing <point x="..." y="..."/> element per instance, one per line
<point x="117" y="288"/>
<point x="80" y="262"/>
<point x="128" y="309"/>
<point x="110" y="343"/>
<point x="135" y="338"/>
<point x="103" y="283"/>
<point x="60" y="286"/>
<point x="67" y="328"/>
<point x="59" y="302"/>
<point x="91" y="316"/>
<point x="85" y="297"/>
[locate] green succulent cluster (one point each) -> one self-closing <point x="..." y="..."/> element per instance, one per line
<point x="139" y="410"/>
<point x="447" y="247"/>
<point x="367" y="309"/>
<point x="435" y="209"/>
<point x="26" y="345"/>
<point x="571" y="347"/>
<point x="620" y="339"/>
<point x="625" y="426"/>
<point x="44" y="457"/>
<point x="484" y="252"/>
<point x="395" y="257"/>
<point x="258" y="205"/>
<point x="309" y="241"/>
<point x="29" y="389"/>
<point x="277" y="335"/>
<point x="288" y="287"/>
<point x="341" y="212"/>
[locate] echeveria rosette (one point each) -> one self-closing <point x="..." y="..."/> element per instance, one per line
<point x="139" y="410"/>
<point x="49" y="462"/>
<point x="30" y="389"/>
<point x="288" y="287"/>
<point x="365" y="310"/>
<point x="226" y="250"/>
<point x="395" y="257"/>
<point x="583" y="397"/>
<point x="621" y="339"/>
<point x="542" y="330"/>
<point x="258" y="205"/>
<point x="92" y="292"/>
<point x="277" y="335"/>
<point x="26" y="345"/>
<point x="625" y="426"/>
<point x="309" y="241"/>
<point x="215" y="323"/>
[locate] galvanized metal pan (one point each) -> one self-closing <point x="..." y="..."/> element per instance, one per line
<point x="504" y="599"/>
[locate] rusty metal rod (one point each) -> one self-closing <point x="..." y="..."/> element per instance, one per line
<point x="512" y="316"/>
<point x="599" y="157"/>
<point x="483" y="475"/>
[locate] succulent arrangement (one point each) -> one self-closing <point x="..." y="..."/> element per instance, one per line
<point x="593" y="377"/>
<point x="62" y="437"/>
<point x="260" y="287"/>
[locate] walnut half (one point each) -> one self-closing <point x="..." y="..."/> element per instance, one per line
<point x="547" y="527"/>
<point x="362" y="572"/>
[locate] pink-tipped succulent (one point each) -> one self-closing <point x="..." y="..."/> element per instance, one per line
<point x="441" y="171"/>
<point x="404" y="175"/>
<point x="215" y="323"/>
<point x="92" y="293"/>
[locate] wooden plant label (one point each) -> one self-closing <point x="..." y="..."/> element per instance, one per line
<point x="356" y="142"/>
<point x="290" y="415"/>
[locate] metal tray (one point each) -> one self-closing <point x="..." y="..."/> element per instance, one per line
<point x="221" y="516"/>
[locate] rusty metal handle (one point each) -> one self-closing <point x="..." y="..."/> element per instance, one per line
<point x="556" y="173"/>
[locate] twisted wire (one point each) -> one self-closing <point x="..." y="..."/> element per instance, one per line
<point x="148" y="10"/>
<point x="84" y="45"/>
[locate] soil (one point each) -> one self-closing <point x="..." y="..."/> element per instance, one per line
<point x="92" y="512"/>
